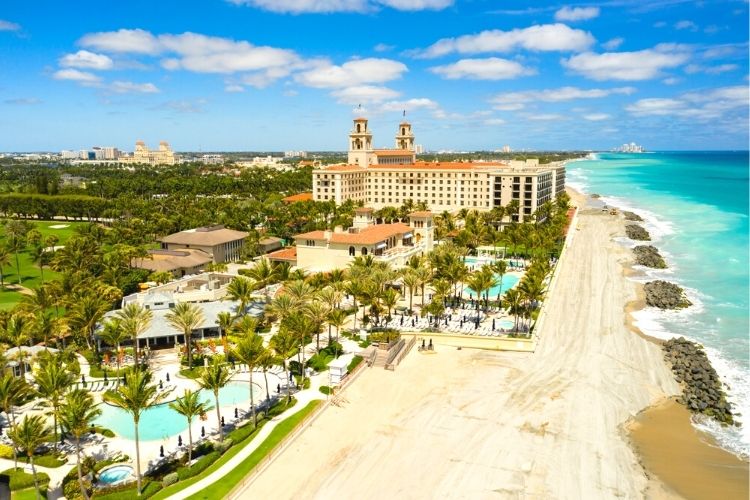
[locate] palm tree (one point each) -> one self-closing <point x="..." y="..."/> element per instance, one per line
<point x="53" y="379"/>
<point x="240" y="289"/>
<point x="38" y="255"/>
<point x="514" y="304"/>
<point x="264" y="274"/>
<point x="284" y="345"/>
<point x="17" y="332"/>
<point x="317" y="311"/>
<point x="248" y="350"/>
<point x="114" y="334"/>
<point x="14" y="391"/>
<point x="411" y="281"/>
<point x="500" y="267"/>
<point x="190" y="406"/>
<point x="87" y="311"/>
<point x="134" y="320"/>
<point x="355" y="288"/>
<point x="136" y="395"/>
<point x="390" y="298"/>
<point x="281" y="306"/>
<point x="186" y="317"/>
<point x="4" y="261"/>
<point x="214" y="377"/>
<point x="224" y="320"/>
<point x="424" y="275"/>
<point x="337" y="318"/>
<point x="28" y="436"/>
<point x="77" y="413"/>
<point x="266" y="360"/>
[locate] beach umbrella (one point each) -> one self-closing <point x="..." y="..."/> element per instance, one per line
<point x="493" y="324"/>
<point x="222" y="421"/>
<point x="161" y="451"/>
<point x="179" y="441"/>
<point x="402" y="320"/>
<point x="236" y="415"/>
<point x="446" y="321"/>
<point x="462" y="322"/>
<point x="167" y="377"/>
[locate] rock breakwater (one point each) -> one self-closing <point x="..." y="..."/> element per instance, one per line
<point x="665" y="295"/>
<point x="636" y="232"/>
<point x="702" y="392"/>
<point x="649" y="256"/>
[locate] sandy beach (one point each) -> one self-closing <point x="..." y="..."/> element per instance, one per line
<point x="479" y="424"/>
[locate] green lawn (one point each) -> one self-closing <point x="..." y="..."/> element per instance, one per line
<point x="220" y="488"/>
<point x="30" y="274"/>
<point x="27" y="494"/>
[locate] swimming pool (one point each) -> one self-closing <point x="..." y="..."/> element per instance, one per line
<point x="509" y="281"/>
<point x="115" y="474"/>
<point x="162" y="422"/>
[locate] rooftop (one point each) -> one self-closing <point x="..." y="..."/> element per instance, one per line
<point x="171" y="260"/>
<point x="365" y="236"/>
<point x="286" y="254"/>
<point x="393" y="152"/>
<point x="298" y="197"/>
<point x="205" y="236"/>
<point x="421" y="213"/>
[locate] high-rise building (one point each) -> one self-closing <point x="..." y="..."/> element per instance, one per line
<point x="390" y="177"/>
<point x="142" y="154"/>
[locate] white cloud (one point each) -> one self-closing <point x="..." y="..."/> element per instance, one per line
<point x="596" y="117"/>
<point x="9" y="26"/>
<point x="135" y="41"/>
<point x="411" y="5"/>
<point x="233" y="88"/>
<point x="86" y="59"/>
<point x="542" y="38"/>
<point x="686" y="25"/>
<point x="494" y="121"/>
<point x="184" y="106"/>
<point x="639" y="65"/>
<point x="121" y="87"/>
<point x="410" y="105"/>
<point x="511" y="101"/>
<point x="364" y="94"/>
<point x="76" y="76"/>
<point x="701" y="105"/>
<point x="544" y="117"/>
<point x="671" y="81"/>
<point x="710" y="70"/>
<point x="352" y="73"/>
<point x="576" y="13"/>
<point x="23" y="101"/>
<point x="491" y="68"/>
<point x="383" y="47"/>
<point x="328" y="6"/>
<point x="613" y="44"/>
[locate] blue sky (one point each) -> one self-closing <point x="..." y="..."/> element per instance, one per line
<point x="290" y="74"/>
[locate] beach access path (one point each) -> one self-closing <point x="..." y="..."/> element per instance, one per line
<point x="479" y="424"/>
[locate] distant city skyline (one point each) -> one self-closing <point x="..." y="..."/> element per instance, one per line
<point x="260" y="75"/>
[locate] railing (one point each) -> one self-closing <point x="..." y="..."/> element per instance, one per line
<point x="371" y="357"/>
<point x="393" y="353"/>
<point x="406" y="350"/>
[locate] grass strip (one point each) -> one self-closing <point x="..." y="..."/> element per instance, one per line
<point x="220" y="488"/>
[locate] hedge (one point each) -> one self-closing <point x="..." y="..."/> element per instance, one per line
<point x="356" y="360"/>
<point x="20" y="480"/>
<point x="199" y="466"/>
<point x="128" y="491"/>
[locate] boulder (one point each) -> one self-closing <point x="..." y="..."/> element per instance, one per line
<point x="636" y="232"/>
<point x="632" y="216"/>
<point x="648" y="255"/>
<point x="665" y="295"/>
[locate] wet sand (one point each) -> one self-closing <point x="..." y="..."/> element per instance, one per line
<point x="687" y="461"/>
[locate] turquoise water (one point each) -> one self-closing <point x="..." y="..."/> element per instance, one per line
<point x="116" y="474"/>
<point x="696" y="209"/>
<point x="161" y="422"/>
<point x="509" y="281"/>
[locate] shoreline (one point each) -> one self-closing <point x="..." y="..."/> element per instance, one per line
<point x="660" y="428"/>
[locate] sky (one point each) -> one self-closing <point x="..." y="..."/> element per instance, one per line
<point x="273" y="75"/>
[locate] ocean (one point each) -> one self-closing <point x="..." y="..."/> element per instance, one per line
<point x="695" y="206"/>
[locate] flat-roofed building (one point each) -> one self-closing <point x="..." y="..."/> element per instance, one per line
<point x="389" y="177"/>
<point x="222" y="244"/>
<point x="321" y="251"/>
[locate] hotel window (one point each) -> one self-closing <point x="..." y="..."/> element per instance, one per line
<point x="310" y="243"/>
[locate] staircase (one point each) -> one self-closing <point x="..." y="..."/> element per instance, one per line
<point x="380" y="358"/>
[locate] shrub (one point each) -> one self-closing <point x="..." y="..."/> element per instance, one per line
<point x="354" y="363"/>
<point x="280" y="407"/>
<point x="6" y="451"/>
<point x="20" y="480"/>
<point x="127" y="491"/>
<point x="170" y="479"/>
<point x="241" y="433"/>
<point x="199" y="466"/>
<point x="325" y="389"/>
<point x="223" y="446"/>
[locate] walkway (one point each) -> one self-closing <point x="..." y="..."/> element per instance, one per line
<point x="303" y="398"/>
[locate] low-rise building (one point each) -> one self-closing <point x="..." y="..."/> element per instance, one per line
<point x="177" y="262"/>
<point x="321" y="251"/>
<point x="222" y="244"/>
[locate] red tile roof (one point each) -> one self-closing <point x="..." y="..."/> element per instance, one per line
<point x="298" y="197"/>
<point x="285" y="254"/>
<point x="393" y="152"/>
<point x="366" y="236"/>
<point x="422" y="213"/>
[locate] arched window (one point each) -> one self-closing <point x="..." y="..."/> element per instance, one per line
<point x="352" y="251"/>
<point x="403" y="131"/>
<point x="358" y="129"/>
<point x="364" y="250"/>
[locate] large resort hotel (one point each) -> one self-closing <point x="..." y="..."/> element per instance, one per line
<point x="389" y="177"/>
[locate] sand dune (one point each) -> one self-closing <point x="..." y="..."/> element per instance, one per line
<point x="475" y="424"/>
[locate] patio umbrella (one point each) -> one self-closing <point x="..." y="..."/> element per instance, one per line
<point x="493" y="324"/>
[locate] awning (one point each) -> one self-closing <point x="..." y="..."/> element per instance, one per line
<point x="408" y="235"/>
<point x="380" y="245"/>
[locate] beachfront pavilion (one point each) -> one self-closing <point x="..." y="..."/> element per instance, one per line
<point x="161" y="334"/>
